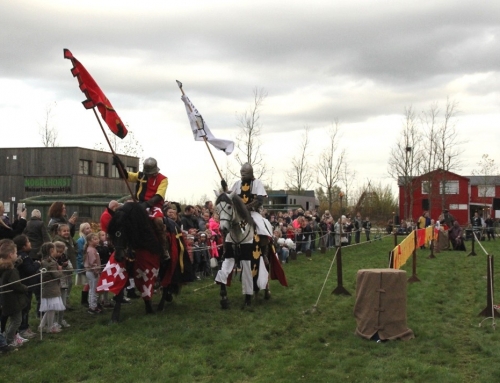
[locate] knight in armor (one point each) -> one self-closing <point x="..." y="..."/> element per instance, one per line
<point x="150" y="190"/>
<point x="252" y="192"/>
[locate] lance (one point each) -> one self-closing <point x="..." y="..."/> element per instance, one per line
<point x="118" y="165"/>
<point x="202" y="129"/>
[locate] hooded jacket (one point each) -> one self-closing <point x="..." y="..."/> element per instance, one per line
<point x="15" y="300"/>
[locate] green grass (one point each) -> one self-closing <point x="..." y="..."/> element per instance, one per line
<point x="281" y="340"/>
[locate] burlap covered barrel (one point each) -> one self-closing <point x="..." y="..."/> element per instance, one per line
<point x="381" y="304"/>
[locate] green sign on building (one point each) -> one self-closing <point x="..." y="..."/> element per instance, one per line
<point x="47" y="184"/>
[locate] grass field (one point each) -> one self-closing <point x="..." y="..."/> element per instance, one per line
<point x="281" y="340"/>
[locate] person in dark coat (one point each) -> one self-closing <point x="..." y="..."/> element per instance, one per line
<point x="28" y="268"/>
<point x="16" y="299"/>
<point x="37" y="233"/>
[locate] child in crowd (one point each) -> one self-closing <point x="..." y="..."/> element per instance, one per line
<point x="81" y="280"/>
<point x="29" y="273"/>
<point x="67" y="269"/>
<point x="51" y="292"/>
<point x="16" y="299"/>
<point x="104" y="253"/>
<point x="92" y="264"/>
<point x="64" y="235"/>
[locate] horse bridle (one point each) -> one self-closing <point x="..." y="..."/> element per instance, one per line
<point x="232" y="223"/>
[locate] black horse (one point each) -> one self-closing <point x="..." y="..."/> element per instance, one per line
<point x="138" y="252"/>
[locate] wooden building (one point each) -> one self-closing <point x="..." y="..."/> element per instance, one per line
<point x="461" y="195"/>
<point x="40" y="176"/>
<point x="282" y="200"/>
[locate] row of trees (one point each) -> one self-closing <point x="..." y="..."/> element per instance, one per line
<point x="430" y="145"/>
<point x="428" y="141"/>
<point x="331" y="171"/>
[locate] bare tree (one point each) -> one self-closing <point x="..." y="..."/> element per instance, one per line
<point x="47" y="131"/>
<point x="487" y="172"/>
<point x="347" y="178"/>
<point x="405" y="159"/>
<point x="248" y="141"/>
<point x="299" y="177"/>
<point x="329" y="163"/>
<point x="129" y="146"/>
<point x="448" y="147"/>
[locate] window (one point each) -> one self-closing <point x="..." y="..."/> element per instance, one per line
<point x="426" y="186"/>
<point x="130" y="169"/>
<point x="84" y="167"/>
<point x="448" y="187"/>
<point x="486" y="191"/>
<point x="114" y="172"/>
<point x="101" y="169"/>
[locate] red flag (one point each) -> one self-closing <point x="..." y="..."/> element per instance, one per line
<point x="95" y="96"/>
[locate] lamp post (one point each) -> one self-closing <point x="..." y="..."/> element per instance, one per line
<point x="340" y="289"/>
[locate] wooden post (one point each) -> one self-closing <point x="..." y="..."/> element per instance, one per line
<point x="431" y="255"/>
<point x="472" y="251"/>
<point x="340" y="289"/>
<point x="414" y="277"/>
<point x="489" y="311"/>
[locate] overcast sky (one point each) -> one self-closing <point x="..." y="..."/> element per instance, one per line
<point x="361" y="62"/>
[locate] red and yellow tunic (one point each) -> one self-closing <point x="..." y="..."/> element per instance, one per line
<point x="148" y="186"/>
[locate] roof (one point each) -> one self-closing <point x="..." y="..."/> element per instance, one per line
<point x="286" y="193"/>
<point x="484" y="180"/>
<point x="423" y="176"/>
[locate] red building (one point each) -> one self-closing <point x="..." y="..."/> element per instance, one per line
<point x="440" y="189"/>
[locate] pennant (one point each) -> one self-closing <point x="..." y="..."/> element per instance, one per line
<point x="200" y="128"/>
<point x="95" y="96"/>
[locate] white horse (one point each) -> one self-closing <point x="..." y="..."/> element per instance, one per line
<point x="243" y="247"/>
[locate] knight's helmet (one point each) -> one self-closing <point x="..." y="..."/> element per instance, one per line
<point x="246" y="172"/>
<point x="150" y="166"/>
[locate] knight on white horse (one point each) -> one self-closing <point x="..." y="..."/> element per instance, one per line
<point x="247" y="236"/>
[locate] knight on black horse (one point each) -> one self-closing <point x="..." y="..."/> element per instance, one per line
<point x="139" y="235"/>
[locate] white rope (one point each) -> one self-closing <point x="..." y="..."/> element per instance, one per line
<point x="493" y="324"/>
<point x="324" y="282"/>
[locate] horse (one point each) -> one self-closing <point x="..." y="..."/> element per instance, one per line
<point x="139" y="253"/>
<point x="245" y="247"/>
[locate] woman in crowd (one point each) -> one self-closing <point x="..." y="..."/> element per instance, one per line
<point x="57" y="215"/>
<point x="36" y="232"/>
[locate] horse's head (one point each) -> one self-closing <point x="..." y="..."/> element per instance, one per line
<point x="224" y="208"/>
<point x="233" y="213"/>
<point x="131" y="228"/>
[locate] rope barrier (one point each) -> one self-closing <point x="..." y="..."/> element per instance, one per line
<point x="315" y="306"/>
<point x="490" y="279"/>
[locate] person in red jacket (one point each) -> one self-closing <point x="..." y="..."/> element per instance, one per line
<point x="108" y="214"/>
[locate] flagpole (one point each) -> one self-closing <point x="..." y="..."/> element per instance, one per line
<point x="200" y="128"/>
<point x="118" y="164"/>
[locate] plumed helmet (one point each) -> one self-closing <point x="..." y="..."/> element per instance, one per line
<point x="246" y="172"/>
<point x="150" y="166"/>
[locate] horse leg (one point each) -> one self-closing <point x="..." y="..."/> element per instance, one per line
<point x="224" y="302"/>
<point x="115" y="315"/>
<point x="166" y="296"/>
<point x="223" y="278"/>
<point x="148" y="306"/>
<point x="247" y="284"/>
